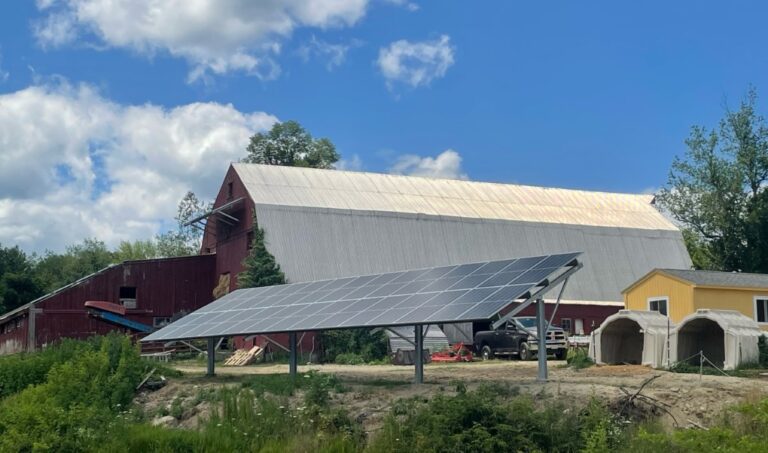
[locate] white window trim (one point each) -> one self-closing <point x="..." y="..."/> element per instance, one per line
<point x="754" y="309"/>
<point x="664" y="298"/>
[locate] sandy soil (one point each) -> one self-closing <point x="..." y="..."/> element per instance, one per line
<point x="691" y="399"/>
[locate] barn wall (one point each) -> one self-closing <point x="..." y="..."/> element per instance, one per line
<point x="231" y="250"/>
<point x="164" y="288"/>
<point x="13" y="334"/>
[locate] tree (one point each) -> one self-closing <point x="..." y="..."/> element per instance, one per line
<point x="717" y="192"/>
<point x="186" y="239"/>
<point x="261" y="268"/>
<point x="79" y="260"/>
<point x="18" y="282"/>
<point x="291" y="145"/>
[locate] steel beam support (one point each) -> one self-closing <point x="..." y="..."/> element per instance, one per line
<point x="562" y="277"/>
<point x="557" y="304"/>
<point x="419" y="336"/>
<point x="541" y="330"/>
<point x="294" y="359"/>
<point x="211" y="357"/>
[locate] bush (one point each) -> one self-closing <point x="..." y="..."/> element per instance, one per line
<point x="762" y="345"/>
<point x="370" y="346"/>
<point x="349" y="358"/>
<point x="78" y="399"/>
<point x="578" y="358"/>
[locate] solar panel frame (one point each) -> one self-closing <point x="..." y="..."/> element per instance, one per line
<point x="444" y="294"/>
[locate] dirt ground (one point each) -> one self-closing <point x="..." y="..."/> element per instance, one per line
<point x="689" y="398"/>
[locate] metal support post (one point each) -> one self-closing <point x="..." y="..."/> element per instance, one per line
<point x="211" y="357"/>
<point x="419" y="336"/>
<point x="294" y="360"/>
<point x="542" y="334"/>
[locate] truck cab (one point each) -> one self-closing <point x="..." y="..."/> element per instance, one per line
<point x="517" y="337"/>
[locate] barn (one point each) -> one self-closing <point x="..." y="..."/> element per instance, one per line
<point x="322" y="224"/>
<point x="152" y="292"/>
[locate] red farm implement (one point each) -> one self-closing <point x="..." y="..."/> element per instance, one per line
<point x="458" y="353"/>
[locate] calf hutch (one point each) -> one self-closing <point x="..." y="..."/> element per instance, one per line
<point x="679" y="293"/>
<point x="726" y="338"/>
<point x="632" y="337"/>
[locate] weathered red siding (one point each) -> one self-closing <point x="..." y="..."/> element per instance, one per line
<point x="164" y="288"/>
<point x="592" y="315"/>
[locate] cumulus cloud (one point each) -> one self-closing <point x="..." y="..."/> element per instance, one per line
<point x="415" y="63"/>
<point x="333" y="54"/>
<point x="355" y="163"/>
<point x="445" y="165"/>
<point x="77" y="165"/>
<point x="214" y="36"/>
<point x="3" y="74"/>
<point x="410" y="6"/>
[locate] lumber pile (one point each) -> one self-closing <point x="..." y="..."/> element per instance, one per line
<point x="243" y="357"/>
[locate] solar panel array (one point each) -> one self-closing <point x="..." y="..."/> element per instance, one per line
<point x="443" y="294"/>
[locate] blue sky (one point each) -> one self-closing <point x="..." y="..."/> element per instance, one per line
<point x="590" y="95"/>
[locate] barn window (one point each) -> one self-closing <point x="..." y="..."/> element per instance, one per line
<point x="761" y="309"/>
<point x="160" y="321"/>
<point x="229" y="191"/>
<point x="249" y="240"/>
<point x="128" y="296"/>
<point x="660" y="304"/>
<point x="565" y="323"/>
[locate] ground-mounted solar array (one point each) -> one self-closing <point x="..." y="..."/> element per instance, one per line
<point x="445" y="294"/>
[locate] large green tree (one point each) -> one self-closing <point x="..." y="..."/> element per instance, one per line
<point x="717" y="191"/>
<point x="290" y="144"/>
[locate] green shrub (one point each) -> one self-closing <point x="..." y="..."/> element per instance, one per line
<point x="349" y="358"/>
<point x="578" y="358"/>
<point x="363" y="342"/>
<point x="762" y="345"/>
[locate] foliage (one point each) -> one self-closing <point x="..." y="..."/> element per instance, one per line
<point x="578" y="358"/>
<point x="18" y="283"/>
<point x="484" y="421"/>
<point x="260" y="266"/>
<point x="362" y="342"/>
<point x="349" y="358"/>
<point x="717" y="191"/>
<point x="290" y="144"/>
<point x="762" y="346"/>
<point x="78" y="400"/>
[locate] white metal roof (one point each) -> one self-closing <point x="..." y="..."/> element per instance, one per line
<point x="358" y="191"/>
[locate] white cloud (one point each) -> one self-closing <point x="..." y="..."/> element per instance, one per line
<point x="333" y="54"/>
<point x="445" y="165"/>
<point x="214" y="36"/>
<point x="410" y="6"/>
<point x="355" y="163"/>
<point x="415" y="63"/>
<point x="3" y="74"/>
<point x="77" y="165"/>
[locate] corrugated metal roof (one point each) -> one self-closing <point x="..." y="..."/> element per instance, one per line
<point x="714" y="278"/>
<point x="317" y="233"/>
<point x="359" y="191"/>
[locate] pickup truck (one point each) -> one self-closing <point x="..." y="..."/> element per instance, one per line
<point x="517" y="337"/>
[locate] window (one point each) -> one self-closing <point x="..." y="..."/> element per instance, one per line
<point x="229" y="191"/>
<point x="761" y="309"/>
<point x="128" y="297"/>
<point x="160" y="321"/>
<point x="659" y="304"/>
<point x="565" y="323"/>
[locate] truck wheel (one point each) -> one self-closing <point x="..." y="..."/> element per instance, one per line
<point x="486" y="353"/>
<point x="525" y="352"/>
<point x="560" y="354"/>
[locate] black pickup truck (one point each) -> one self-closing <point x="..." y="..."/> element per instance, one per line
<point x="517" y="337"/>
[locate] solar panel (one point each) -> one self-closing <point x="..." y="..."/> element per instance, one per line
<point x="465" y="292"/>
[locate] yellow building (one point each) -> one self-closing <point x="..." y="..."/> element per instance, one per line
<point x="678" y="293"/>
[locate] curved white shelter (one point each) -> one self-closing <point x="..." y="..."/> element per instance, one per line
<point x="634" y="337"/>
<point x="726" y="337"/>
